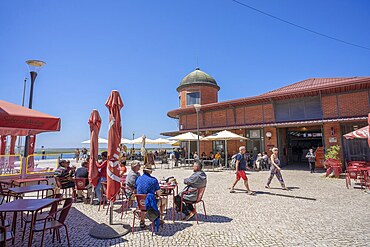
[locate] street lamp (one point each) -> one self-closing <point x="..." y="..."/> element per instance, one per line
<point x="197" y="109"/>
<point x="34" y="67"/>
<point x="133" y="138"/>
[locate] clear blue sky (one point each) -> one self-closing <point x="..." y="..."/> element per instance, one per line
<point x="144" y="49"/>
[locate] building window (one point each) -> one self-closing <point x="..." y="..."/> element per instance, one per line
<point x="298" y="109"/>
<point x="255" y="142"/>
<point x="192" y="98"/>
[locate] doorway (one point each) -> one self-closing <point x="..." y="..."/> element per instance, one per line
<point x="299" y="141"/>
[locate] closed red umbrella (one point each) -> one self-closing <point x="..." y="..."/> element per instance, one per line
<point x="31" y="150"/>
<point x="95" y="123"/>
<point x="13" y="140"/>
<point x="2" y="144"/>
<point x="114" y="105"/>
<point x="368" y="130"/>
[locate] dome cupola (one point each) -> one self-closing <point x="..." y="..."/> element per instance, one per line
<point x="197" y="78"/>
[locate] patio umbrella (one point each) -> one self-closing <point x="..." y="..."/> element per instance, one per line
<point x="94" y="123"/>
<point x="362" y="133"/>
<point x="139" y="140"/>
<point x="31" y="150"/>
<point x="21" y="121"/>
<point x="114" y="105"/>
<point x="100" y="140"/>
<point x="186" y="137"/>
<point x="126" y="141"/>
<point x="161" y="141"/>
<point x="224" y="135"/>
<point x="2" y="144"/>
<point x="13" y="140"/>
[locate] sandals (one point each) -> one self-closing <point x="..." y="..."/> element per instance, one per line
<point x="267" y="186"/>
<point x="232" y="191"/>
<point x="251" y="193"/>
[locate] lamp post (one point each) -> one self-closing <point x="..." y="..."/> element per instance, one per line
<point x="133" y="138"/>
<point x="34" y="67"/>
<point x="197" y="109"/>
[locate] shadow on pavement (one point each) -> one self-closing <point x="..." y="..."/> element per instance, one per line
<point x="284" y="195"/>
<point x="213" y="218"/>
<point x="170" y="228"/>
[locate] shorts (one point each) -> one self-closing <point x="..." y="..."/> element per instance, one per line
<point x="241" y="174"/>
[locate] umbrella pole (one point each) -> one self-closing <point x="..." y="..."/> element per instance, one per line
<point x="188" y="153"/>
<point x="225" y="153"/>
<point x="111" y="213"/>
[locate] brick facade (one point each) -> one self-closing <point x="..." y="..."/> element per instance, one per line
<point x="334" y="105"/>
<point x="208" y="94"/>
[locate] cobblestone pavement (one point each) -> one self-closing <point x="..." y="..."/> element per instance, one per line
<point x="331" y="215"/>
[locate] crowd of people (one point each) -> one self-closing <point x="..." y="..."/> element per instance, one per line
<point x="145" y="183"/>
<point x="136" y="183"/>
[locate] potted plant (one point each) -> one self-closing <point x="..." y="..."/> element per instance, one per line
<point x="332" y="161"/>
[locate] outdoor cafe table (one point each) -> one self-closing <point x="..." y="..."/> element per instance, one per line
<point x="29" y="180"/>
<point x="169" y="190"/>
<point x="23" y="205"/>
<point x="32" y="188"/>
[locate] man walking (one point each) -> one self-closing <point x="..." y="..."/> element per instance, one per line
<point x="240" y="167"/>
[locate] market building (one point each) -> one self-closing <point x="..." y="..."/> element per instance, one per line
<point x="312" y="113"/>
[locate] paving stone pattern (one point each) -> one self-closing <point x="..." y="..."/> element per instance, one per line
<point x="337" y="216"/>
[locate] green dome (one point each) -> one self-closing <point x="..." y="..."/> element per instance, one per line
<point x="198" y="77"/>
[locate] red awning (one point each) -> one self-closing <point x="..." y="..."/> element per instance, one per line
<point x="20" y="121"/>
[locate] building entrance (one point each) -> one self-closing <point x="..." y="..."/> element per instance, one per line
<point x="299" y="141"/>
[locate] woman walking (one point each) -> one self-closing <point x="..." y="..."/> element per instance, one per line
<point x="275" y="169"/>
<point x="311" y="160"/>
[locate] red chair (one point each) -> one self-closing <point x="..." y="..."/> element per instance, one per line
<point x="5" y="236"/>
<point x="81" y="184"/>
<point x="141" y="209"/>
<point x="351" y="173"/>
<point x="333" y="165"/>
<point x="41" y="215"/>
<point x="53" y="222"/>
<point x="126" y="193"/>
<point x="200" y="193"/>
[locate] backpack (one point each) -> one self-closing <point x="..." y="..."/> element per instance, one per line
<point x="233" y="161"/>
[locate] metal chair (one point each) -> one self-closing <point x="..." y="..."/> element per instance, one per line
<point x="42" y="215"/>
<point x="5" y="236"/>
<point x="53" y="222"/>
<point x="141" y="209"/>
<point x="81" y="184"/>
<point x="200" y="193"/>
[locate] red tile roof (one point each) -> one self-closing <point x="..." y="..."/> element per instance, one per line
<point x="315" y="84"/>
<point x="309" y="87"/>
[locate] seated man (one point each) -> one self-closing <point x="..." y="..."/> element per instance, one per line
<point x="146" y="184"/>
<point x="197" y="180"/>
<point x="131" y="178"/>
<point x="83" y="172"/>
<point x="64" y="173"/>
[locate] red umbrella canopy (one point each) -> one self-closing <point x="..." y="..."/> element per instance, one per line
<point x="95" y="123"/>
<point x="21" y="121"/>
<point x="362" y="133"/>
<point x="114" y="105"/>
